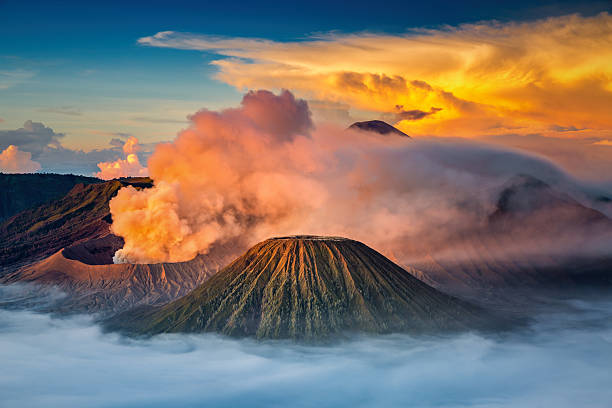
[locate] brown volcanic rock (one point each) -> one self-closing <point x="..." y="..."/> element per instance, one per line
<point x="308" y="288"/>
<point x="67" y="244"/>
<point x="116" y="287"/>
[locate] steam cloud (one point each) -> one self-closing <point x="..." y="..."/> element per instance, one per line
<point x="262" y="170"/>
<point x="13" y="160"/>
<point x="563" y="360"/>
<point x="128" y="167"/>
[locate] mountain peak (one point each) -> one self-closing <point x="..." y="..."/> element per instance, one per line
<point x="524" y="196"/>
<point x="377" y="126"/>
<point x="308" y="288"/>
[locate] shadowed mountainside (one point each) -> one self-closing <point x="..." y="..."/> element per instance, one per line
<point x="19" y="192"/>
<point x="308" y="288"/>
<point x="377" y="126"/>
<point x="535" y="237"/>
<point x="82" y="214"/>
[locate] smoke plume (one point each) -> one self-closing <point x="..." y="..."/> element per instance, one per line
<point x="262" y="170"/>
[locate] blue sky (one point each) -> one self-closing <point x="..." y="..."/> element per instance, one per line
<point x="77" y="67"/>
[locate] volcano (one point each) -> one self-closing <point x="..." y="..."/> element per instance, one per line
<point x="85" y="274"/>
<point x="377" y="126"/>
<point x="495" y="255"/>
<point x="308" y="288"/>
<point x="67" y="244"/>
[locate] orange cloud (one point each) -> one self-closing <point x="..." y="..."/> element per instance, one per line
<point x="12" y="160"/>
<point x="128" y="167"/>
<point x="604" y="143"/>
<point x="487" y="78"/>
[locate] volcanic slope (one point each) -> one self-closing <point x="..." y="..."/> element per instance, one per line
<point x="19" y="192"/>
<point x="308" y="288"/>
<point x="89" y="285"/>
<point x="82" y="214"/>
<point x="67" y="244"/>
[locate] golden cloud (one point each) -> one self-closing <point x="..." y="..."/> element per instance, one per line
<point x="490" y="78"/>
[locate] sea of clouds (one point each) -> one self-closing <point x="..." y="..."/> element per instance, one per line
<point x="562" y="359"/>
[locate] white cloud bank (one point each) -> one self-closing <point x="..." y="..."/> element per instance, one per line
<point x="70" y="363"/>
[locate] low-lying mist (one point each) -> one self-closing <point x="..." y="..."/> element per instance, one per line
<point x="562" y="360"/>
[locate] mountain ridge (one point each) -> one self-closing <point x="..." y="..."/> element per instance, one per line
<point x="20" y="192"/>
<point x="82" y="214"/>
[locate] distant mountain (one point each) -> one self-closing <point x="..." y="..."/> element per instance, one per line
<point x="525" y="196"/>
<point x="308" y="288"/>
<point x="82" y="214"/>
<point x="377" y="126"/>
<point x="19" y="192"/>
<point x="537" y="236"/>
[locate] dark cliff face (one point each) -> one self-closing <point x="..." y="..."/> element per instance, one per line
<point x="82" y="214"/>
<point x="377" y="126"/>
<point x="19" y="192"/>
<point x="308" y="288"/>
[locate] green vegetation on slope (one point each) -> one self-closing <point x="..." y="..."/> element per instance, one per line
<point x="19" y="192"/>
<point x="308" y="288"/>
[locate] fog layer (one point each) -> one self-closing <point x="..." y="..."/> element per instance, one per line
<point x="562" y="360"/>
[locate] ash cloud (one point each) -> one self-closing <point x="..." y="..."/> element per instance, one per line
<point x="561" y="360"/>
<point x="262" y="170"/>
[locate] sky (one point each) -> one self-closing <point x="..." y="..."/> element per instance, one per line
<point x="95" y="74"/>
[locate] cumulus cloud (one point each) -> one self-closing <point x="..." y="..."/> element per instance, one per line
<point x="12" y="160"/>
<point x="487" y="77"/>
<point x="45" y="146"/>
<point x="128" y="167"/>
<point x="260" y="170"/>
<point x="562" y="360"/>
<point x="33" y="137"/>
